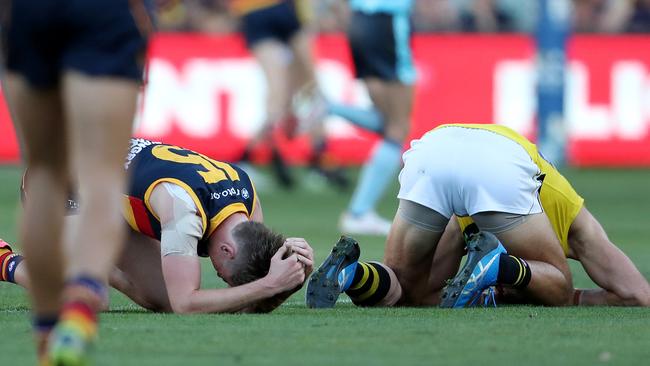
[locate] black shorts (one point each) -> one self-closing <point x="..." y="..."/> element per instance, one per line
<point x="42" y="38"/>
<point x="279" y="22"/>
<point x="381" y="46"/>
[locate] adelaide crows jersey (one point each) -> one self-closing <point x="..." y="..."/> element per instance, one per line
<point x="218" y="189"/>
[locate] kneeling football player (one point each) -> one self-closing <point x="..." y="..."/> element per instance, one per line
<point x="180" y="206"/>
<point x="522" y="220"/>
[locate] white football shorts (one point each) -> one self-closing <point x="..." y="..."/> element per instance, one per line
<point x="464" y="171"/>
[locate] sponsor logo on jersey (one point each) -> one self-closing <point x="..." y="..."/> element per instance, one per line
<point x="230" y="192"/>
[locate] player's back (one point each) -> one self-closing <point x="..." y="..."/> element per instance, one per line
<point x="560" y="201"/>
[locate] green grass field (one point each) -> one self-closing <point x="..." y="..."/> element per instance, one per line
<point x="295" y="335"/>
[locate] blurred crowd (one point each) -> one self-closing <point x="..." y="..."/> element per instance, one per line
<point x="589" y="16"/>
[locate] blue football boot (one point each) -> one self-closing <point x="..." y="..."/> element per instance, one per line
<point x="478" y="274"/>
<point x="334" y="276"/>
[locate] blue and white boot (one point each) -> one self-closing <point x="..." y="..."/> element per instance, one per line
<point x="334" y="276"/>
<point x="477" y="275"/>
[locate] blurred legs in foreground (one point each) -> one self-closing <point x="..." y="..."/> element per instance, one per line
<point x="72" y="81"/>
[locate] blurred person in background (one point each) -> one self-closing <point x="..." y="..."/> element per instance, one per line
<point x="491" y="16"/>
<point x="276" y="32"/>
<point x="435" y="16"/>
<point x="484" y="16"/>
<point x="206" y="16"/>
<point x="74" y="69"/>
<point x="637" y="15"/>
<point x="379" y="33"/>
<point x="210" y="16"/>
<point x="610" y="16"/>
<point x="331" y="15"/>
<point x="586" y="15"/>
<point x="639" y="21"/>
<point x="447" y="204"/>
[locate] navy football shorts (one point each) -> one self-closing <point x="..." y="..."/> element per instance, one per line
<point x="279" y="22"/>
<point x="43" y="38"/>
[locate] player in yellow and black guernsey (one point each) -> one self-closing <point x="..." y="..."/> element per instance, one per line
<point x="182" y="205"/>
<point x="523" y="219"/>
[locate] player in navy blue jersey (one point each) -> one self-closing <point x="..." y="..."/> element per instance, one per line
<point x="180" y="206"/>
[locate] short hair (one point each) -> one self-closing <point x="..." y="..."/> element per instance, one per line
<point x="256" y="245"/>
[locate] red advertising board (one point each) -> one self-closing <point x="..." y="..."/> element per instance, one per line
<point x="8" y="143"/>
<point x="207" y="93"/>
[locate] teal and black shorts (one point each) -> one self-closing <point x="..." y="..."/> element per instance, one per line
<point x="381" y="46"/>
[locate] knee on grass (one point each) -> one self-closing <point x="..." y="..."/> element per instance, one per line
<point x="561" y="296"/>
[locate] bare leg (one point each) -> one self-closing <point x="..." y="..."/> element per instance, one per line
<point x="446" y="261"/>
<point x="303" y="84"/>
<point x="272" y="57"/>
<point x="620" y="281"/>
<point x="139" y="276"/>
<point x="303" y="71"/>
<point x="394" y="101"/>
<point x="101" y="112"/>
<point x="377" y="93"/>
<point x="40" y="124"/>
<point x="536" y="242"/>
<point x="303" y="76"/>
<point x="22" y="277"/>
<point x="409" y="253"/>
